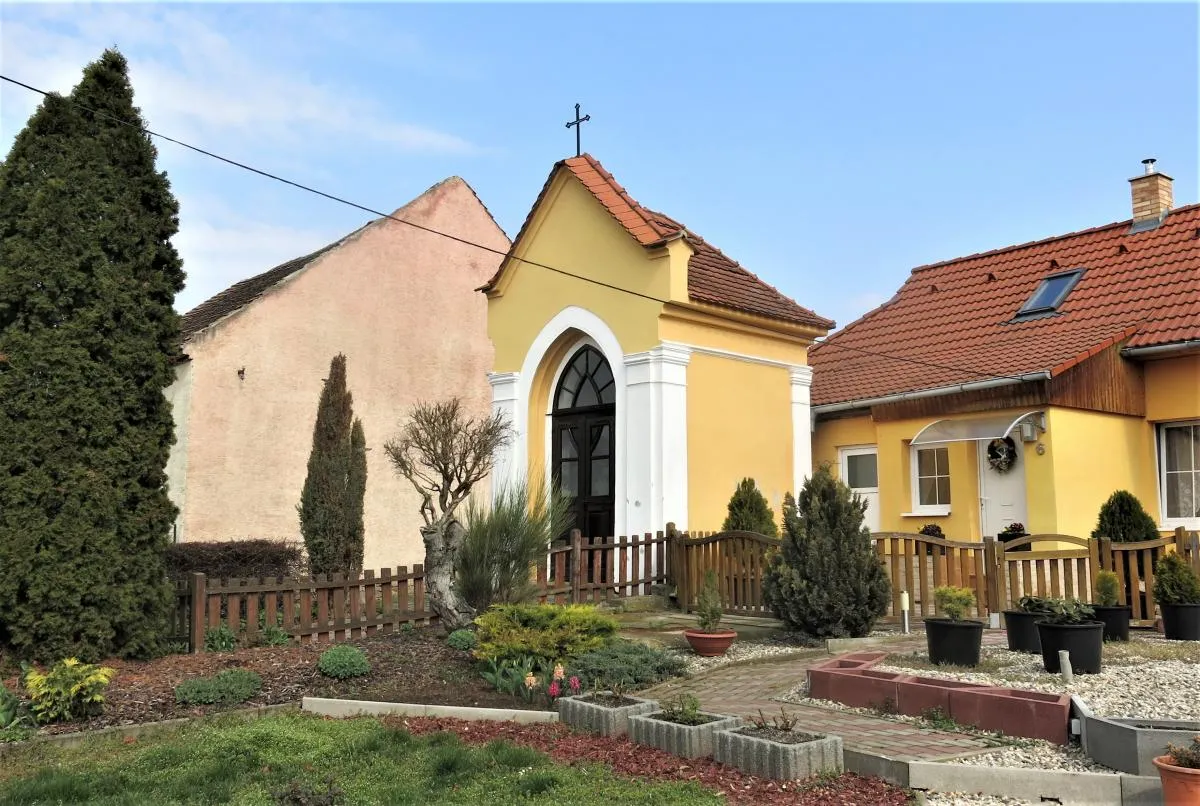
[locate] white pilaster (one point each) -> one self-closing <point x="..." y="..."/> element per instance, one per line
<point x="509" y="461"/>
<point x="801" y="425"/>
<point x="656" y="438"/>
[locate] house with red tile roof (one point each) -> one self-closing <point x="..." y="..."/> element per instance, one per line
<point x="641" y="366"/>
<point x="401" y="303"/>
<point x="1026" y="384"/>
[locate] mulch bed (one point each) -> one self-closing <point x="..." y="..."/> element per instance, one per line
<point x="416" y="667"/>
<point x="638" y="762"/>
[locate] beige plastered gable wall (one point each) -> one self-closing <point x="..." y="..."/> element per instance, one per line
<point x="401" y="304"/>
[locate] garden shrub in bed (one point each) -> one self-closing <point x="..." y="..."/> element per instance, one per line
<point x="234" y="559"/>
<point x="549" y="633"/>
<point x="343" y="662"/>
<point x="70" y="690"/>
<point x="227" y="687"/>
<point x="624" y="663"/>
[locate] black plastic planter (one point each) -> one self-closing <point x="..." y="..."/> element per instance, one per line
<point x="1181" y="622"/>
<point x="1084" y="644"/>
<point x="1116" y="621"/>
<point x="954" y="642"/>
<point x="1022" y="631"/>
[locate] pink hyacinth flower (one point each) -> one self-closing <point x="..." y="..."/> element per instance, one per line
<point x="554" y="690"/>
<point x="574" y="684"/>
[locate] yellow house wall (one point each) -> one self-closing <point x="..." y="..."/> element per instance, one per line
<point x="734" y="338"/>
<point x="1094" y="455"/>
<point x="572" y="231"/>
<point x="1173" y="389"/>
<point x="739" y="424"/>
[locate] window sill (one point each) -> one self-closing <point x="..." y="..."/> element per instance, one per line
<point x="1189" y="524"/>
<point x="940" y="512"/>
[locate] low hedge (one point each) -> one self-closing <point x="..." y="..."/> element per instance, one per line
<point x="234" y="559"/>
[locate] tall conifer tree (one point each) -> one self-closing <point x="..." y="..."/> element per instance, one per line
<point x="331" y="503"/>
<point x="88" y="331"/>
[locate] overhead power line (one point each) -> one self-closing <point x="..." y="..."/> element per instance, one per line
<point x="458" y="239"/>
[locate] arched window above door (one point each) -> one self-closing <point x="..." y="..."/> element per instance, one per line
<point x="586" y="382"/>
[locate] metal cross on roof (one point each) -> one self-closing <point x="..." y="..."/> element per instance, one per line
<point x="576" y="123"/>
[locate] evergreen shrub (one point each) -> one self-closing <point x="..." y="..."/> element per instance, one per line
<point x="826" y="579"/>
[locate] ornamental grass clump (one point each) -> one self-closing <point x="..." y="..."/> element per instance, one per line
<point x="343" y="662"/>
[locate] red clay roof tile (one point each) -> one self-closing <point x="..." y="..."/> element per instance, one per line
<point x="713" y="278"/>
<point x="964" y="331"/>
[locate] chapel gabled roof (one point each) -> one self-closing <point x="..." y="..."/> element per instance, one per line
<point x="713" y="277"/>
<point x="957" y="321"/>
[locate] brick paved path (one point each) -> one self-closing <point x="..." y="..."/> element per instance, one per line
<point x="743" y="689"/>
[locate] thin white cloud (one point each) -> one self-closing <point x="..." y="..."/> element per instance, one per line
<point x="194" y="81"/>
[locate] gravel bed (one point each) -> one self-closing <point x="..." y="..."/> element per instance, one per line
<point x="1138" y="683"/>
<point x="963" y="799"/>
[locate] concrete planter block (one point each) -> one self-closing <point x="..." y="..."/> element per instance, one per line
<point x="1130" y="745"/>
<point x="782" y="762"/>
<point x="601" y="720"/>
<point x="685" y="741"/>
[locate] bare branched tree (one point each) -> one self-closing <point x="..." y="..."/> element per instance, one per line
<point x="444" y="453"/>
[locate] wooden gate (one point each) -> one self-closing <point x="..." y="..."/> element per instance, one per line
<point x="918" y="563"/>
<point x="738" y="558"/>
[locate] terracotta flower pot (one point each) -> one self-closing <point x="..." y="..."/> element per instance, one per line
<point x="1181" y="785"/>
<point x="709" y="644"/>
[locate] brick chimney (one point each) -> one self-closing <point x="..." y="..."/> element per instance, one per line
<point x="1152" y="197"/>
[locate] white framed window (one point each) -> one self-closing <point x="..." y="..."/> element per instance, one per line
<point x="1179" y="473"/>
<point x="930" y="480"/>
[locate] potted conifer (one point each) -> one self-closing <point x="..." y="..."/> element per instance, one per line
<point x="709" y="641"/>
<point x="1179" y="771"/>
<point x="1177" y="591"/>
<point x="1020" y="624"/>
<point x="1108" y="608"/>
<point x="953" y="640"/>
<point x="1071" y="625"/>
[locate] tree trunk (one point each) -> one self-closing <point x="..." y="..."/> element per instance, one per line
<point x="442" y="541"/>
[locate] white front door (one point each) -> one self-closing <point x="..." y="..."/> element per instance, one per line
<point x="860" y="471"/>
<point x="1001" y="495"/>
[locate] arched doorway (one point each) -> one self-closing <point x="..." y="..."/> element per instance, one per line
<point x="583" y="440"/>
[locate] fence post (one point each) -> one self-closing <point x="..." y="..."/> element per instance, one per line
<point x="993" y="576"/>
<point x="1094" y="567"/>
<point x="198" y="605"/>
<point x="577" y="569"/>
<point x="669" y="572"/>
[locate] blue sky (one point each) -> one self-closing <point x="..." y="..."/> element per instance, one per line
<point x="828" y="148"/>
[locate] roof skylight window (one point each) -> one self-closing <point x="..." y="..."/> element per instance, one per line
<point x="1051" y="293"/>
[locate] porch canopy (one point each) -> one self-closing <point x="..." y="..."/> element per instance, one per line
<point x="969" y="429"/>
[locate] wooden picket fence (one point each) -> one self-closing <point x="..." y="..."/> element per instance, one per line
<point x="737" y="558"/>
<point x="603" y="568"/>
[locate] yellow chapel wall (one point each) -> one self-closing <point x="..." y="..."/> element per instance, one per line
<point x="573" y="232"/>
<point x="739" y="425"/>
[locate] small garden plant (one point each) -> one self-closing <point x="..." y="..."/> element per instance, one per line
<point x="1187" y="756"/>
<point x="1033" y="604"/>
<point x="625" y="663"/>
<point x="1068" y="611"/>
<point x="1123" y="519"/>
<point x="749" y="511"/>
<point x="220" y="639"/>
<point x="1107" y="589"/>
<point x="954" y="602"/>
<point x="1175" y="582"/>
<point x="709" y="608"/>
<point x="683" y="710"/>
<point x="463" y="640"/>
<point x="70" y="690"/>
<point x="932" y="530"/>
<point x="343" y="662"/>
<point x="227" y="687"/>
<point x="15" y="721"/>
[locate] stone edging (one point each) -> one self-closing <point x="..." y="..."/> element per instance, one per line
<point x="1067" y="788"/>
<point x="122" y="731"/>
<point x="351" y="708"/>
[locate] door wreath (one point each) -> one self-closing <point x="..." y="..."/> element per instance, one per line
<point x="1002" y="454"/>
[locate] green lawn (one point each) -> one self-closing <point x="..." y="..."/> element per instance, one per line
<point x="240" y="762"/>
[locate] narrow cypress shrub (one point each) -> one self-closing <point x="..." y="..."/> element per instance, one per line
<point x="331" y="503"/>
<point x="826" y="579"/>
<point x="749" y="511"/>
<point x="88" y="331"/>
<point x="1123" y="519"/>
